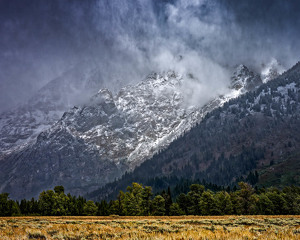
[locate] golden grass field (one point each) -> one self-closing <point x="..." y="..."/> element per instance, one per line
<point x="183" y="227"/>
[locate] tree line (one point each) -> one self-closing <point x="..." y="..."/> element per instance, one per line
<point x="140" y="201"/>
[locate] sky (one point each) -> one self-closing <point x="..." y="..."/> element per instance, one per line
<point x="128" y="39"/>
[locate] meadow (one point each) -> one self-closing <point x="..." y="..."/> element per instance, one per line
<point x="183" y="227"/>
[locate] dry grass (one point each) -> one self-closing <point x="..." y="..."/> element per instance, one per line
<point x="184" y="227"/>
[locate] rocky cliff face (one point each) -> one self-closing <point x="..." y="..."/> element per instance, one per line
<point x="245" y="80"/>
<point x="96" y="143"/>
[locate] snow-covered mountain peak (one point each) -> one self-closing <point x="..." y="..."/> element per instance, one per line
<point x="95" y="143"/>
<point x="242" y="70"/>
<point x="141" y="119"/>
<point x="169" y="78"/>
<point x="103" y="95"/>
<point x="244" y="80"/>
<point x="135" y="122"/>
<point x="271" y="70"/>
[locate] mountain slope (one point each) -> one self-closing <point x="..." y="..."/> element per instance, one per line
<point x="20" y="127"/>
<point x="257" y="131"/>
<point x="96" y="143"/>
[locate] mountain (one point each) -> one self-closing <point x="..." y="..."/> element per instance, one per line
<point x="271" y="70"/>
<point x="94" y="144"/>
<point x="245" y="80"/>
<point x="21" y="126"/>
<point x="254" y="137"/>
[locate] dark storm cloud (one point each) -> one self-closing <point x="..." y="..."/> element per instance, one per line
<point x="41" y="39"/>
<point x="267" y="29"/>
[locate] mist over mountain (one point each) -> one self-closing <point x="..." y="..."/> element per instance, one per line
<point x="90" y="90"/>
<point x="93" y="144"/>
<point x="127" y="40"/>
<point x="253" y="138"/>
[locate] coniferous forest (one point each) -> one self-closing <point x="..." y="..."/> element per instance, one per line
<point x="140" y="201"/>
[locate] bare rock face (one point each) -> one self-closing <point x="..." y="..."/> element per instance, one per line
<point x="245" y="79"/>
<point x="96" y="143"/>
<point x="271" y="70"/>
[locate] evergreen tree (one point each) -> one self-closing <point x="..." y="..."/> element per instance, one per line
<point x="59" y="189"/>
<point x="278" y="202"/>
<point x="193" y="198"/>
<point x="224" y="203"/>
<point x="8" y="207"/>
<point x="146" y="201"/>
<point x="46" y="202"/>
<point x="89" y="208"/>
<point x="208" y="205"/>
<point x="158" y="206"/>
<point x="168" y="200"/>
<point x="4" y="208"/>
<point x="265" y="205"/>
<point x="183" y="202"/>
<point x="175" y="210"/>
<point x="103" y="208"/>
<point x="246" y="198"/>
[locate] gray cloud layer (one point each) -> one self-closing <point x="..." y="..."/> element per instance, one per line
<point x="41" y="39"/>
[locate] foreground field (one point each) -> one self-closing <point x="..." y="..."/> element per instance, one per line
<point x="115" y="227"/>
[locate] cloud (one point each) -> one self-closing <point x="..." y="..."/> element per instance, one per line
<point x="129" y="39"/>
